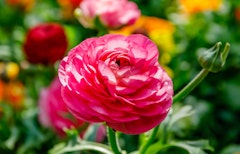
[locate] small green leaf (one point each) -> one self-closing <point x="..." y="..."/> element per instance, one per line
<point x="73" y="137"/>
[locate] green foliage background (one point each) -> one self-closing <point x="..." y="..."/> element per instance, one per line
<point x="214" y="106"/>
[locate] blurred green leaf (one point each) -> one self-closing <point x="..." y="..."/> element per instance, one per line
<point x="5" y="53"/>
<point x="62" y="148"/>
<point x="11" y="141"/>
<point x="231" y="149"/>
<point x="184" y="112"/>
<point x="191" y="147"/>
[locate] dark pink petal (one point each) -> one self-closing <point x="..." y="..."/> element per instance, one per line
<point x="136" y="127"/>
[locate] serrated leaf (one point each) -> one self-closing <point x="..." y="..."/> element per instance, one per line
<point x="191" y="147"/>
<point x="194" y="147"/>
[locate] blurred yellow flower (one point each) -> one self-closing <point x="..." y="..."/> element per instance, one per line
<point x="9" y="70"/>
<point x="159" y="31"/>
<point x="12" y="70"/>
<point x="195" y="6"/>
<point x="25" y="5"/>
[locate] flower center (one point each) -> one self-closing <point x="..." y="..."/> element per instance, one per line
<point x="122" y="61"/>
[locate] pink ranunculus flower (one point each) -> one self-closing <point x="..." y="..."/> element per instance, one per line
<point x="117" y="79"/>
<point x="53" y="112"/>
<point x="112" y="13"/>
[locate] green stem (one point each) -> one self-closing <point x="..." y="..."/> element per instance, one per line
<point x="191" y="85"/>
<point x="112" y="139"/>
<point x="149" y="141"/>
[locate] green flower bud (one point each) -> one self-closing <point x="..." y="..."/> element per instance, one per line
<point x="213" y="59"/>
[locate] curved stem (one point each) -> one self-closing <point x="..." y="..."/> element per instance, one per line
<point x="112" y="139"/>
<point x="149" y="141"/>
<point x="191" y="85"/>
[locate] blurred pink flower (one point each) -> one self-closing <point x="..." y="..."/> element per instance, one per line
<point x="116" y="79"/>
<point x="53" y="112"/>
<point x="112" y="13"/>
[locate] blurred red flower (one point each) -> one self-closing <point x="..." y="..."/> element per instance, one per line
<point x="45" y="43"/>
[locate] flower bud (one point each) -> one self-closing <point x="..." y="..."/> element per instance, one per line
<point x="214" y="59"/>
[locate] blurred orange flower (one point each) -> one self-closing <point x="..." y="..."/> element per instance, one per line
<point x="195" y="6"/>
<point x="12" y="93"/>
<point x="1" y="90"/>
<point x="68" y="7"/>
<point x="159" y="31"/>
<point x="25" y="5"/>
